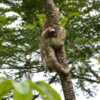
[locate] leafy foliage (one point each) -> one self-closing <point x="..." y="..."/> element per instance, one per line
<point x="23" y="90"/>
<point x="5" y="86"/>
<point x="81" y="18"/>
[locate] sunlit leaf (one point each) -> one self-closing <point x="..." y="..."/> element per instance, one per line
<point x="99" y="59"/>
<point x="49" y="91"/>
<point x="5" y="86"/>
<point x="22" y="91"/>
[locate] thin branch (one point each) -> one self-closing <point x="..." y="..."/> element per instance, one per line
<point x="53" y="79"/>
<point x="17" y="68"/>
<point x="20" y="67"/>
<point x="35" y="96"/>
<point x="93" y="72"/>
<point x="84" y="78"/>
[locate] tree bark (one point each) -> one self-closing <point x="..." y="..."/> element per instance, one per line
<point x="52" y="21"/>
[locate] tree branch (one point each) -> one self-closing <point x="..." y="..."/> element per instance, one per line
<point x="51" y="15"/>
<point x="84" y="78"/>
<point x="20" y="67"/>
<point x="93" y="72"/>
<point x="53" y="79"/>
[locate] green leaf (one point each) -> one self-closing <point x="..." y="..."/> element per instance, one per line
<point x="66" y="19"/>
<point x="19" y="96"/>
<point x="37" y="88"/>
<point x="99" y="59"/>
<point x="49" y="91"/>
<point x="5" y="86"/>
<point x="22" y="91"/>
<point x="41" y="18"/>
<point x="3" y="20"/>
<point x="45" y="90"/>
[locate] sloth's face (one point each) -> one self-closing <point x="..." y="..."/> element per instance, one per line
<point x="52" y="33"/>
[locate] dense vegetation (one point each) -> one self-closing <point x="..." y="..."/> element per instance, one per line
<point x="19" y="46"/>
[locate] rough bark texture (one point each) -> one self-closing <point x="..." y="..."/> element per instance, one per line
<point x="66" y="81"/>
<point x="52" y="21"/>
<point x="51" y="15"/>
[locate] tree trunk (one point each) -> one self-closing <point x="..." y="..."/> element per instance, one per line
<point x="52" y="21"/>
<point x="66" y="81"/>
<point x="67" y="87"/>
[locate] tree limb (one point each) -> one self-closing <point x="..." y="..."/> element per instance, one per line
<point x="84" y="78"/>
<point x="93" y="72"/>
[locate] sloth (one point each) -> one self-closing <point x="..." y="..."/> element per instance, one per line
<point x="49" y="44"/>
